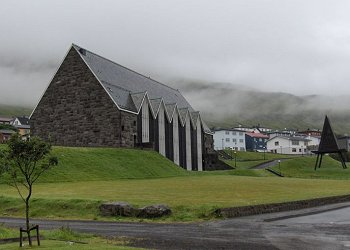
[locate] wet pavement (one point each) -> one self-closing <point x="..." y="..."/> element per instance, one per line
<point x="326" y="227"/>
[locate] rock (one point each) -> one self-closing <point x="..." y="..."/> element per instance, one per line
<point x="117" y="209"/>
<point x="154" y="211"/>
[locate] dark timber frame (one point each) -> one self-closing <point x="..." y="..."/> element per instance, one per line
<point x="328" y="144"/>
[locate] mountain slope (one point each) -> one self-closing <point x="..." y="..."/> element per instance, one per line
<point x="228" y="105"/>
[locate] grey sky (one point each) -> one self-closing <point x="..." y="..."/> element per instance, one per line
<point x="299" y="47"/>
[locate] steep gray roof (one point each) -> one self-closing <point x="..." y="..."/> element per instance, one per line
<point x="121" y="82"/>
<point x="128" y="89"/>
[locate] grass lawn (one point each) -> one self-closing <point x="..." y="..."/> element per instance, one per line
<point x="256" y="156"/>
<point x="86" y="177"/>
<point x="64" y="238"/>
<point x="303" y="167"/>
<point x="191" y="198"/>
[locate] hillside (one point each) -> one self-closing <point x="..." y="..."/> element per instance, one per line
<point x="228" y="105"/>
<point x="9" y="111"/>
<point x="93" y="164"/>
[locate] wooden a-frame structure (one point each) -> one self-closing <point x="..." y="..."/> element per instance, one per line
<point x="328" y="144"/>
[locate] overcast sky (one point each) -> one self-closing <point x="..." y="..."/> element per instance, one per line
<point x="300" y="47"/>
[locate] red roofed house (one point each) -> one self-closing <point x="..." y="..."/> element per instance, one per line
<point x="255" y="141"/>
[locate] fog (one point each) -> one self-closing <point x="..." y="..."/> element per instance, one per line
<point x="293" y="46"/>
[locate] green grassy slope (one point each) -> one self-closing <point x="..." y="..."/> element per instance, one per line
<point x="303" y="167"/>
<point x="91" y="164"/>
<point x="78" y="164"/>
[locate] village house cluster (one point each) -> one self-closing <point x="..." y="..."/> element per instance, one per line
<point x="12" y="125"/>
<point x="261" y="139"/>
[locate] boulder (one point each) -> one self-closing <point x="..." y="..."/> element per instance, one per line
<point x="117" y="209"/>
<point x="154" y="211"/>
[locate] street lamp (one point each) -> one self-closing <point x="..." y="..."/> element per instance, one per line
<point x="302" y="152"/>
<point x="279" y="166"/>
<point x="235" y="159"/>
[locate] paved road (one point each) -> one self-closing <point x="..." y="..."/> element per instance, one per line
<point x="324" y="227"/>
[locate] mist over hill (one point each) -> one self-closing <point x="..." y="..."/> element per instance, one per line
<point x="227" y="105"/>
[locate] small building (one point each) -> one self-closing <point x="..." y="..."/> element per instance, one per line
<point x="344" y="143"/>
<point x="5" y="134"/>
<point x="311" y="132"/>
<point x="229" y="138"/>
<point x="5" y="120"/>
<point x="313" y="143"/>
<point x="256" y="141"/>
<point x="20" y="120"/>
<point x="292" y="145"/>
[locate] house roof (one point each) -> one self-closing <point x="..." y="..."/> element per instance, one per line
<point x="292" y="138"/>
<point x="5" y="119"/>
<point x="6" y="131"/>
<point x="257" y="135"/>
<point x="228" y="129"/>
<point x="24" y="120"/>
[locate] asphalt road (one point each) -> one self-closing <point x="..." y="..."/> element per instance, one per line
<point x="326" y="227"/>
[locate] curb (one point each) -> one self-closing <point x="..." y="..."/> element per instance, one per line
<point x="232" y="212"/>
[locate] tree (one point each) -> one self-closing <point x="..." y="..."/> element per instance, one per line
<point x="21" y="165"/>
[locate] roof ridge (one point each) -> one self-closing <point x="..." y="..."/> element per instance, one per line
<point x="125" y="67"/>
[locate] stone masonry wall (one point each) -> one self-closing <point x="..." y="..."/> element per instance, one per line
<point x="76" y="111"/>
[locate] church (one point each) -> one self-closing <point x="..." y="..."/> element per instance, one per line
<point x="94" y="102"/>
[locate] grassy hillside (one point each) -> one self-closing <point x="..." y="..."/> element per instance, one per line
<point x="303" y="167"/>
<point x="9" y="111"/>
<point x="91" y="164"/>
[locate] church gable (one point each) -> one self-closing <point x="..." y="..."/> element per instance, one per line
<point x="76" y="110"/>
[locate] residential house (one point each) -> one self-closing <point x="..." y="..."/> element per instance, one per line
<point x="344" y="142"/>
<point x="5" y="120"/>
<point x="20" y="120"/>
<point x="92" y="101"/>
<point x="5" y="134"/>
<point x="311" y="132"/>
<point x="256" y="141"/>
<point x="288" y="145"/>
<point x="229" y="138"/>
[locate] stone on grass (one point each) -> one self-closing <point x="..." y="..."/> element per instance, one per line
<point x="154" y="211"/>
<point x="117" y="209"/>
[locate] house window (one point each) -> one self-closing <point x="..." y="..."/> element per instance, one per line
<point x="299" y="149"/>
<point x="241" y="140"/>
<point x="277" y="143"/>
<point x="233" y="133"/>
<point x="240" y="133"/>
<point x="294" y="150"/>
<point x="227" y="132"/>
<point x="295" y="142"/>
<point x="227" y="139"/>
<point x="260" y="140"/>
<point x="234" y="140"/>
<point x="134" y="123"/>
<point x="122" y="127"/>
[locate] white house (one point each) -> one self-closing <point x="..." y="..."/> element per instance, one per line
<point x="314" y="142"/>
<point x="229" y="138"/>
<point x="288" y="145"/>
